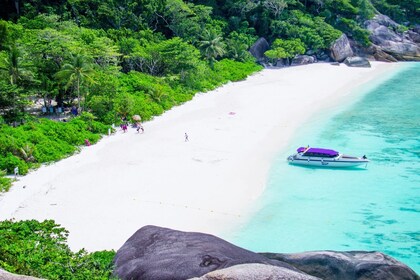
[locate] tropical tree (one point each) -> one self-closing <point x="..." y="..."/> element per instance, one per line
<point x="76" y="74"/>
<point x="275" y="6"/>
<point x="285" y="49"/>
<point x="15" y="67"/>
<point x="17" y="71"/>
<point x="211" y="46"/>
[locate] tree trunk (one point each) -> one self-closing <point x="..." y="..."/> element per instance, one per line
<point x="17" y="7"/>
<point x="78" y="94"/>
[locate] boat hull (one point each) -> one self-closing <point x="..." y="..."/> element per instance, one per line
<point x="327" y="162"/>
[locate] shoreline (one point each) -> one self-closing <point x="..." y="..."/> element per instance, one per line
<point x="109" y="190"/>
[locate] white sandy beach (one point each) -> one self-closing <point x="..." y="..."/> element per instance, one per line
<point x="209" y="184"/>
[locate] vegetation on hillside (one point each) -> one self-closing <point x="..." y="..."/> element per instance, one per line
<point x="40" y="249"/>
<point x="116" y="58"/>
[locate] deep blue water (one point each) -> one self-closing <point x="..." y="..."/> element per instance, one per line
<point x="377" y="208"/>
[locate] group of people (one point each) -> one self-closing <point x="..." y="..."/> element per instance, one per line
<point x="124" y="126"/>
<point x="139" y="127"/>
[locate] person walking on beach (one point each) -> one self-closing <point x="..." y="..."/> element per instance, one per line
<point x="16" y="171"/>
<point x="139" y="127"/>
<point x="124" y="127"/>
<point x="186" y="137"/>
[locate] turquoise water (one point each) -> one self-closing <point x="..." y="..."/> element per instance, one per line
<point x="377" y="208"/>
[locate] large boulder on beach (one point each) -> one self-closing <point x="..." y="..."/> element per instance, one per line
<point x="351" y="265"/>
<point x="303" y="59"/>
<point x="387" y="35"/>
<point x="259" y="48"/>
<point x="161" y="253"/>
<point x="255" y="271"/>
<point x="341" y="49"/>
<point x="357" y="61"/>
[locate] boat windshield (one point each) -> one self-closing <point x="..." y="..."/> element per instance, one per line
<point x="317" y="152"/>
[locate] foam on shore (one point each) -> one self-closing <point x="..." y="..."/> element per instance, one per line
<point x="109" y="190"/>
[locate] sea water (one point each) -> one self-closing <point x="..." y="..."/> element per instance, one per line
<point x="376" y="208"/>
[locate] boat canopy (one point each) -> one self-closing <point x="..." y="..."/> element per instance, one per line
<point x="317" y="152"/>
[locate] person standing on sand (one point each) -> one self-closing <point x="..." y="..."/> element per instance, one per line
<point x="16" y="171"/>
<point x="139" y="127"/>
<point x="186" y="137"/>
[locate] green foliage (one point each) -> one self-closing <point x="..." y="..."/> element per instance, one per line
<point x="33" y="143"/>
<point x="405" y="11"/>
<point x="5" y="183"/>
<point x="314" y="32"/>
<point x="231" y="70"/>
<point x="9" y="162"/>
<point x="186" y="20"/>
<point x="285" y="49"/>
<point x="237" y="45"/>
<point x="76" y="74"/>
<point x="354" y="31"/>
<point x="211" y="45"/>
<point x="40" y="249"/>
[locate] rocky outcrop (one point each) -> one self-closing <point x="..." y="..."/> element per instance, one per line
<point x="4" y="275"/>
<point x="357" y="61"/>
<point x="303" y="59"/>
<point x="255" y="272"/>
<point x="352" y="265"/>
<point x="259" y="48"/>
<point x="341" y="49"/>
<point x="160" y="253"/>
<point x="386" y="36"/>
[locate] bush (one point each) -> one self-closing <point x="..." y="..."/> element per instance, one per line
<point x="5" y="183"/>
<point x="40" y="249"/>
<point x="230" y="70"/>
<point x="10" y="162"/>
<point x="44" y="141"/>
<point x="314" y="32"/>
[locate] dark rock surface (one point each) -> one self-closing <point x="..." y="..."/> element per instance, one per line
<point x="255" y="272"/>
<point x="352" y="265"/>
<point x="259" y="48"/>
<point x="357" y="62"/>
<point x="341" y="49"/>
<point x="4" y="275"/>
<point x="303" y="59"/>
<point x="413" y="36"/>
<point x="386" y="35"/>
<point x="161" y="253"/>
<point x="281" y="63"/>
<point x="379" y="55"/>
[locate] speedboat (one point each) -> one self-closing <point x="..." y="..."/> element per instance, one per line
<point x="324" y="157"/>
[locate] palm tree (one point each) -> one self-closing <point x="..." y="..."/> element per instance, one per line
<point x="76" y="74"/>
<point x="211" y="46"/>
<point x="14" y="66"/>
<point x="18" y="71"/>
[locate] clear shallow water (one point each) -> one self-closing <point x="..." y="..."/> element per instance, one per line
<point x="377" y="208"/>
